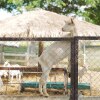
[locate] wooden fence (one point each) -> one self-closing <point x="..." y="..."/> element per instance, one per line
<point x="17" y="58"/>
<point x="27" y="59"/>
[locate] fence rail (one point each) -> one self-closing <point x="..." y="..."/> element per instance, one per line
<point x="74" y="59"/>
<point x="22" y="58"/>
<point x="17" y="58"/>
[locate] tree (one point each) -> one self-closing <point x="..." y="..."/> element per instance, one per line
<point x="93" y="13"/>
<point x="91" y="7"/>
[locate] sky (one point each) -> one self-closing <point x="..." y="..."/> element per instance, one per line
<point x="4" y="14"/>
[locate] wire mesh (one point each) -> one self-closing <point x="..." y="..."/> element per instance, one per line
<point x="26" y="56"/>
<point x="88" y="67"/>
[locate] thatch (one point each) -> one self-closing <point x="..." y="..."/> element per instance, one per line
<point x="41" y="23"/>
<point x="84" y="28"/>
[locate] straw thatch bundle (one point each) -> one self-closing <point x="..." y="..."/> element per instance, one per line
<point x="38" y="23"/>
<point x="84" y="28"/>
<point x="41" y="23"/>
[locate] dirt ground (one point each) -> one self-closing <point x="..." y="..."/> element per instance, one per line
<point x="13" y="89"/>
<point x="93" y="78"/>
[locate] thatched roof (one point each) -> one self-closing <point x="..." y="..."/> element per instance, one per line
<point x="84" y="28"/>
<point x="41" y="23"/>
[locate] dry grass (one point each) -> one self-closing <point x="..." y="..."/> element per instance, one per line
<point x="13" y="90"/>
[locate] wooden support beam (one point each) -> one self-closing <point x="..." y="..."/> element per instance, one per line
<point x="40" y="51"/>
<point x="1" y="54"/>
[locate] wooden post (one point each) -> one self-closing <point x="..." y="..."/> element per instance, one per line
<point x="27" y="55"/>
<point x="1" y="54"/>
<point x="30" y="51"/>
<point x="65" y="81"/>
<point x="40" y="51"/>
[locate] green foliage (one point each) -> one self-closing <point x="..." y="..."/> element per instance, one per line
<point x="94" y="13"/>
<point x="91" y="14"/>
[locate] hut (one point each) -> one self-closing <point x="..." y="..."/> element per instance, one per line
<point x="38" y="23"/>
<point x="41" y="23"/>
